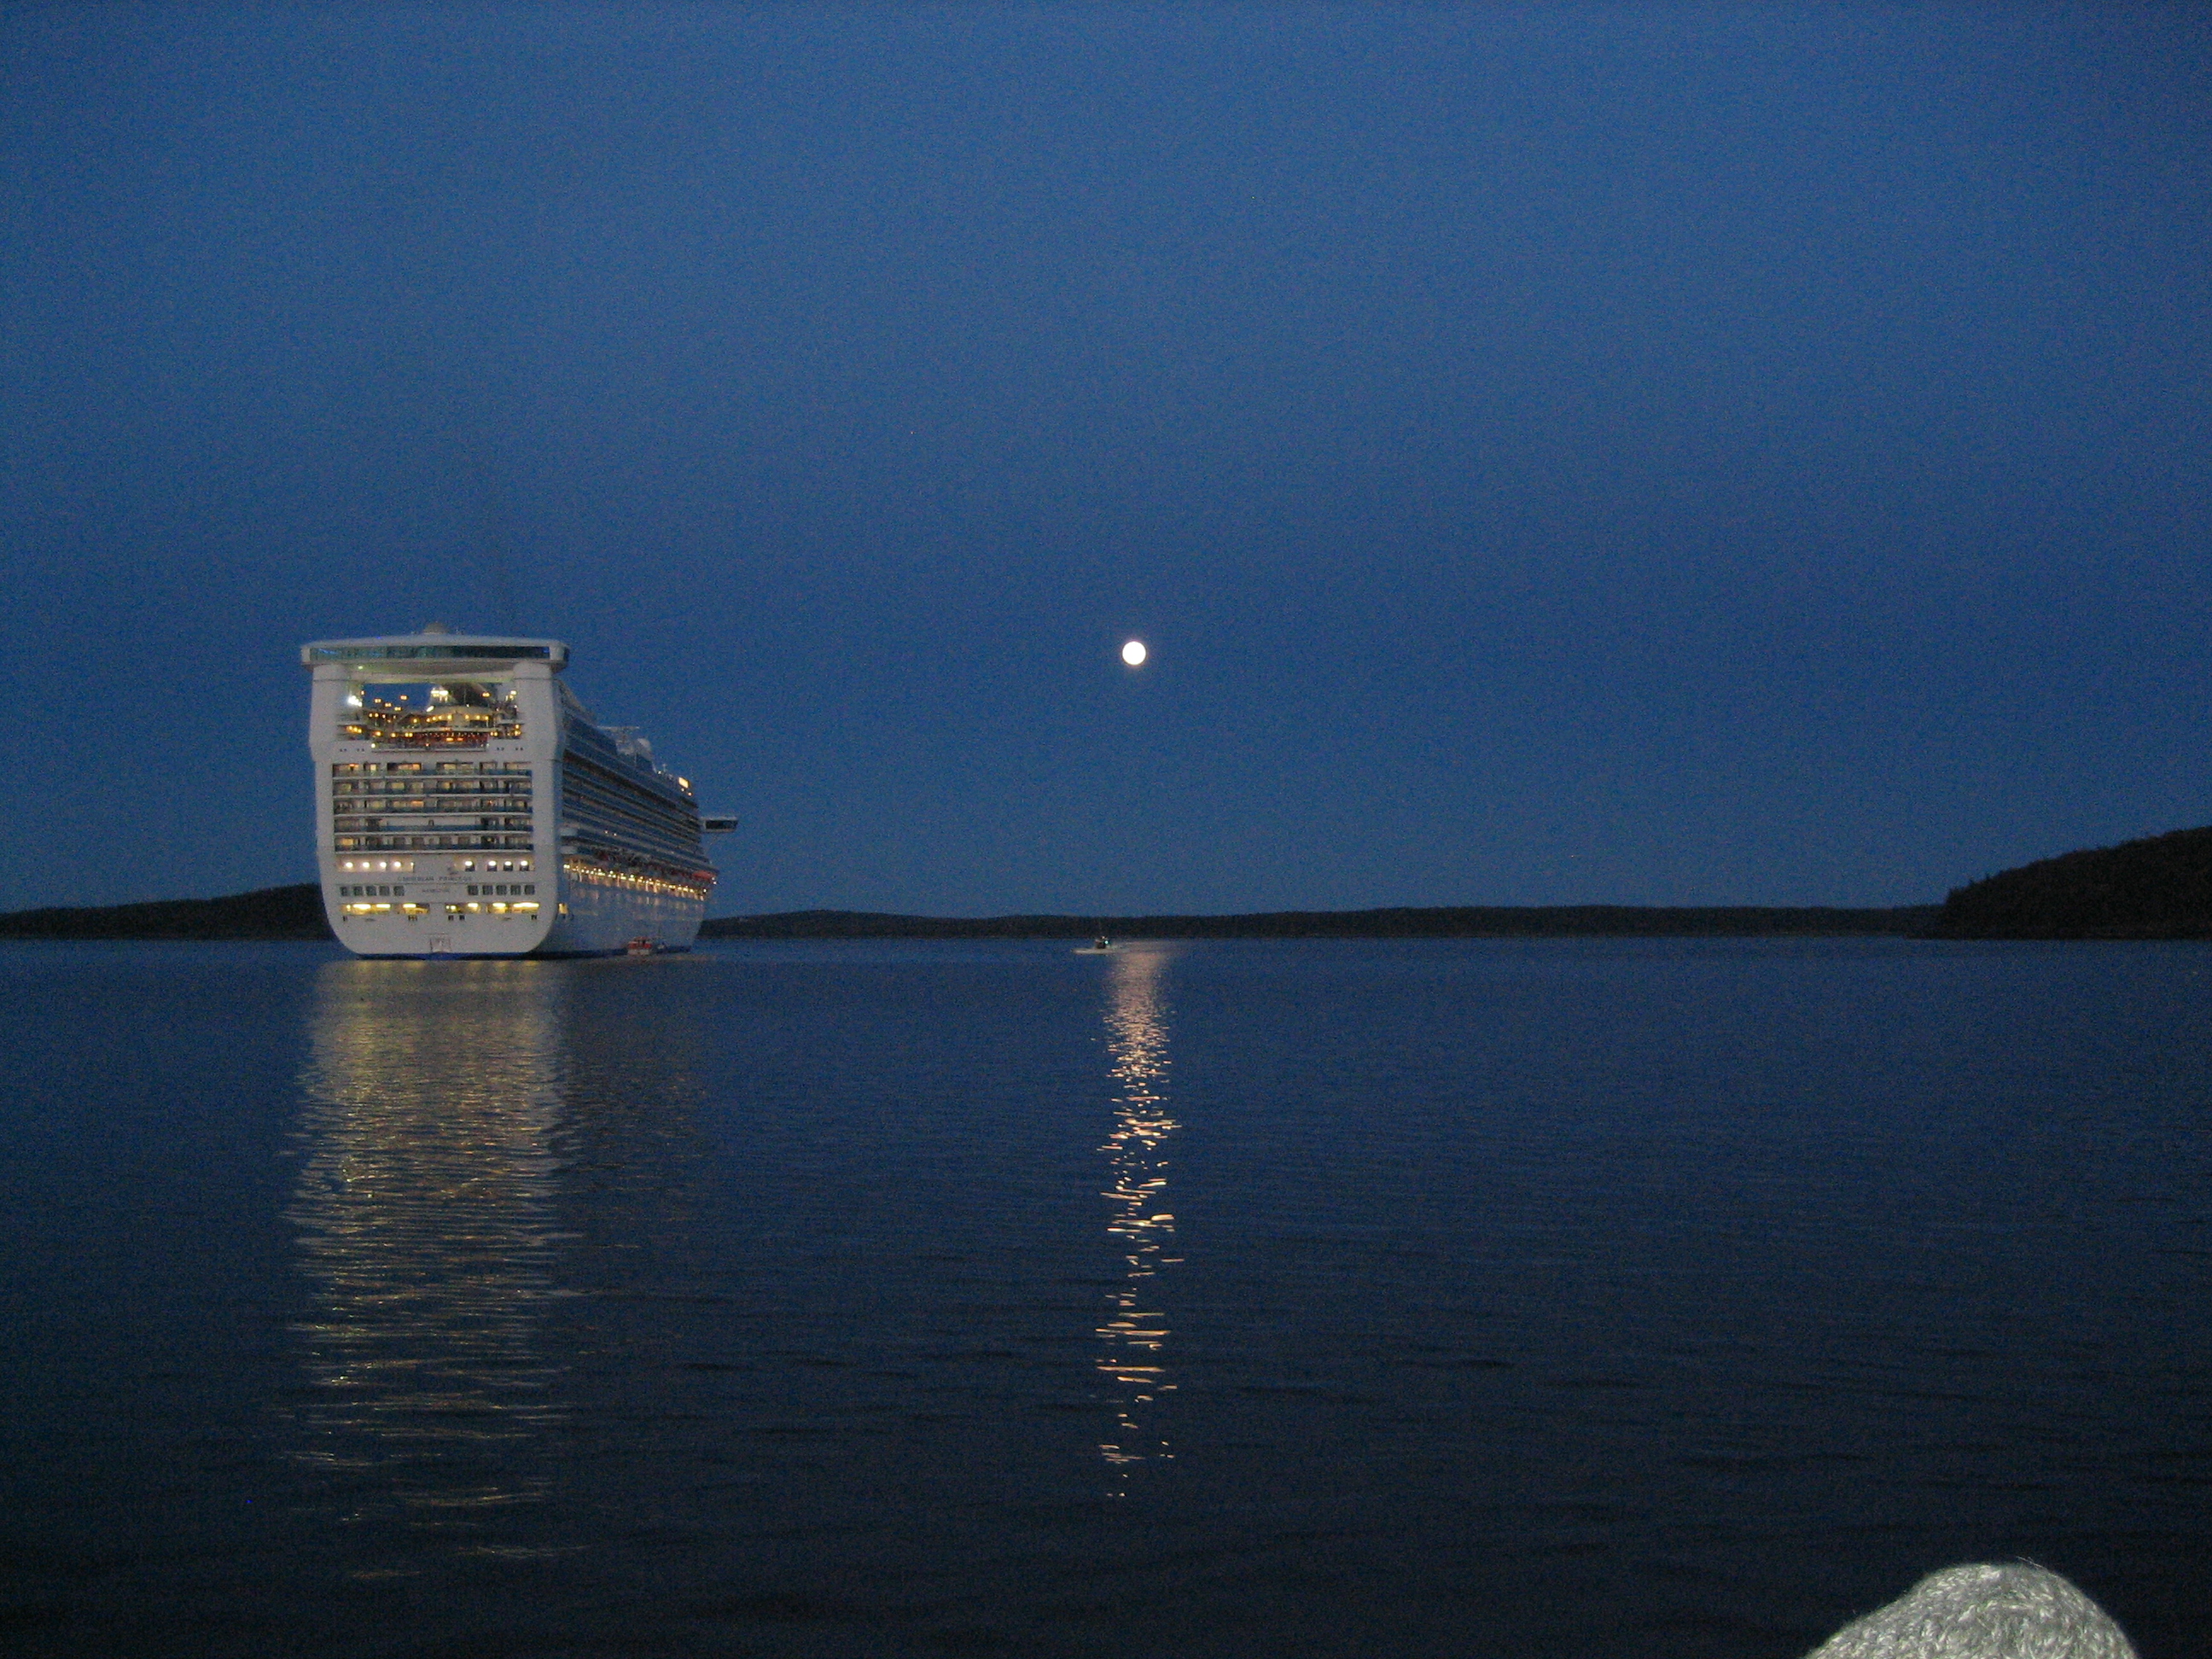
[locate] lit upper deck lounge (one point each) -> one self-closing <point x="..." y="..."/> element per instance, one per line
<point x="431" y="691"/>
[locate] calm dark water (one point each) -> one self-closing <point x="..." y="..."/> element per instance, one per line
<point x="1473" y="1298"/>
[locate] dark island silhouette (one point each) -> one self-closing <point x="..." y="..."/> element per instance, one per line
<point x="266" y="912"/>
<point x="2160" y="887"/>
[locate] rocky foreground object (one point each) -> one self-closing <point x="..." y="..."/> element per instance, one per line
<point x="2017" y="1611"/>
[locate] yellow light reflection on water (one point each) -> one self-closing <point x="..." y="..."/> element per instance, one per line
<point x="1135" y="1334"/>
<point x="425" y="1214"/>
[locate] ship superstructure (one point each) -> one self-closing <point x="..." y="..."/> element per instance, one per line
<point x="468" y="804"/>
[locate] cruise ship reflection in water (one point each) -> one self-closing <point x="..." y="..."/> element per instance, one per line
<point x="1135" y="1333"/>
<point x="427" y="1223"/>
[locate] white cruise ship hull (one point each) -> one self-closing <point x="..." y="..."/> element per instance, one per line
<point x="596" y="924"/>
<point x="606" y="921"/>
<point x="467" y="806"/>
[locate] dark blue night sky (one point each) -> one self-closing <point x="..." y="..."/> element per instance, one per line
<point x="1746" y="455"/>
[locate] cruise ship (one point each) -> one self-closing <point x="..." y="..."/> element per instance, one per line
<point x="467" y="805"/>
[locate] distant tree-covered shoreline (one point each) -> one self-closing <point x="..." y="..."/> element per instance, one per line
<point x="296" y="913"/>
<point x="2159" y="887"/>
<point x="1497" y="921"/>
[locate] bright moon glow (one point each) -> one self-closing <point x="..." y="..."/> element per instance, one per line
<point x="1133" y="652"/>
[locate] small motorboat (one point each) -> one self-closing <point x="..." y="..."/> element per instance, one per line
<point x="642" y="946"/>
<point x="1101" y="946"/>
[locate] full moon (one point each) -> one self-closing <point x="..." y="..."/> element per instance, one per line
<point x="1134" y="654"/>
